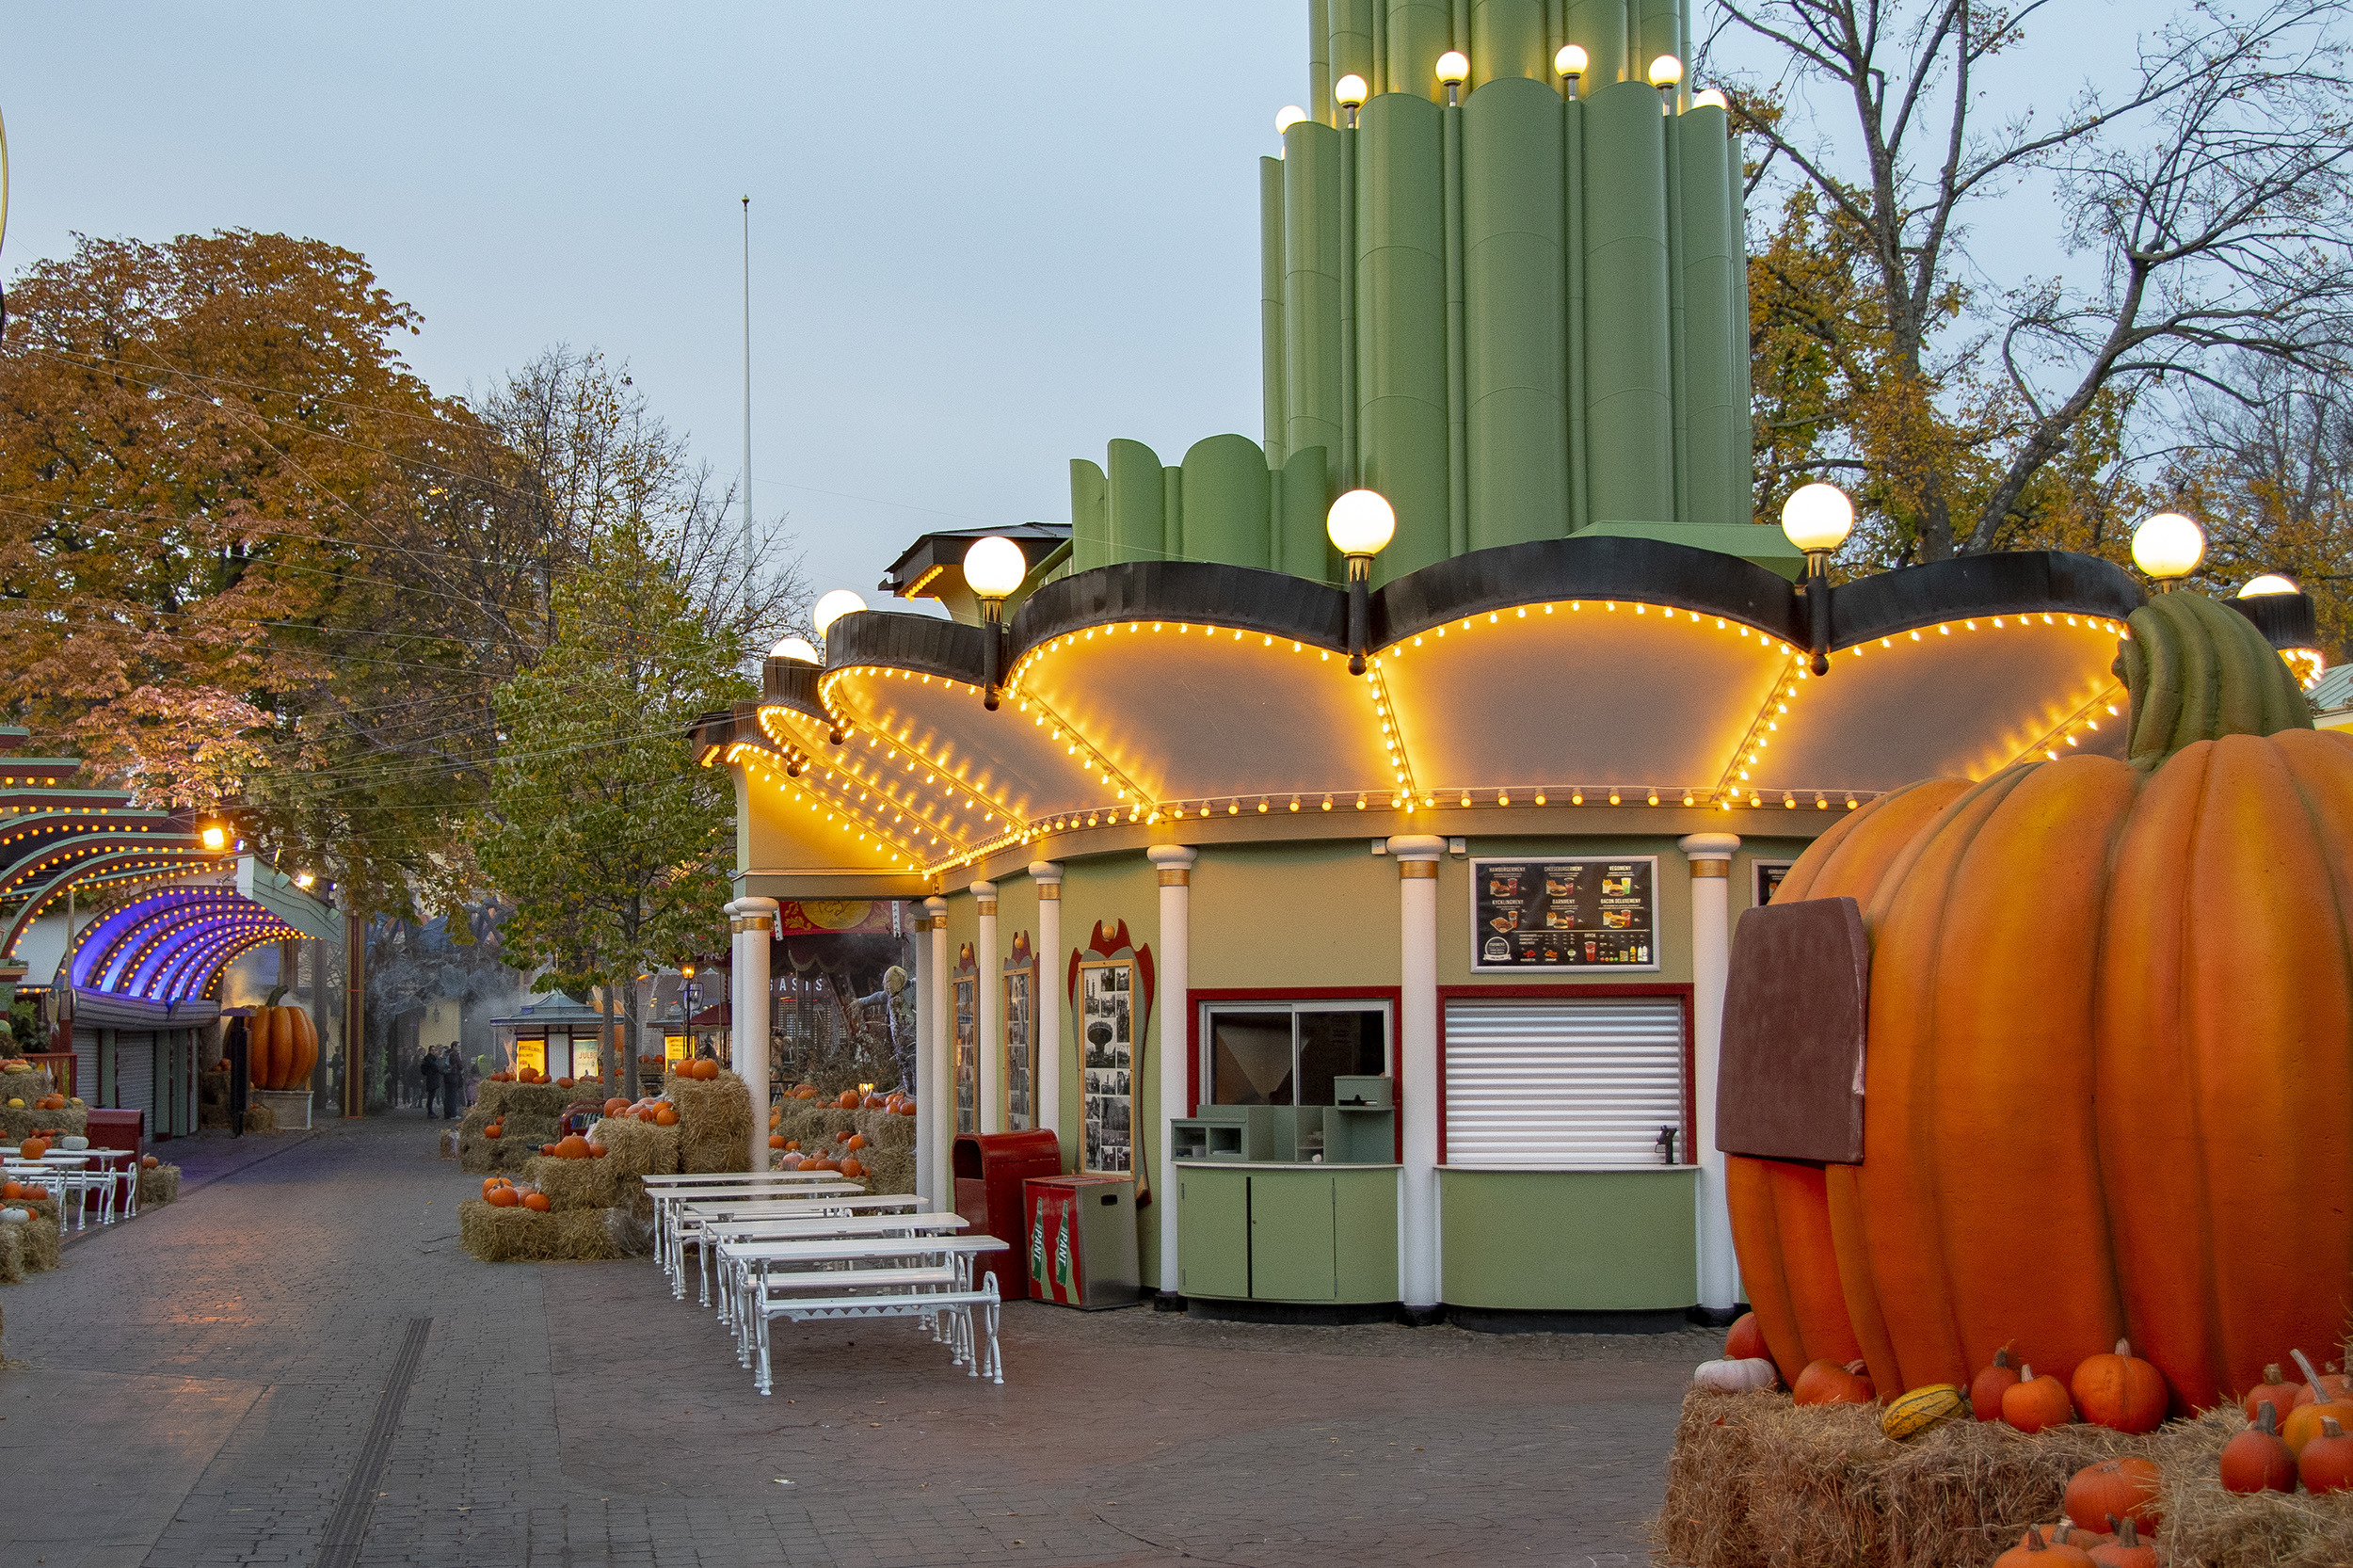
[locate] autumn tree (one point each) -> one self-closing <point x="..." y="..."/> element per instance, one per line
<point x="2208" y="195"/>
<point x="604" y="835"/>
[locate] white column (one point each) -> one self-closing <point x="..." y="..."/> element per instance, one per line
<point x="733" y="909"/>
<point x="1416" y="857"/>
<point x="752" y="1001"/>
<point x="1710" y="855"/>
<point x="1176" y="976"/>
<point x="927" y="981"/>
<point x="1046" y="1004"/>
<point x="935" y="1095"/>
<point x="989" y="995"/>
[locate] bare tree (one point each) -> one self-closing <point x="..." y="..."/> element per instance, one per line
<point x="2211" y="190"/>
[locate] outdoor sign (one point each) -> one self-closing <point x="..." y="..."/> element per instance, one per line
<point x="1021" y="1036"/>
<point x="1565" y="915"/>
<point x="967" y="987"/>
<point x="1055" y="1260"/>
<point x="1106" y="1064"/>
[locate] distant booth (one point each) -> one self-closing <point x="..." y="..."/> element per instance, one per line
<point x="555" y="1036"/>
<point x="120" y="921"/>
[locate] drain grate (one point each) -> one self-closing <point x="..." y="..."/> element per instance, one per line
<point x="347" y="1527"/>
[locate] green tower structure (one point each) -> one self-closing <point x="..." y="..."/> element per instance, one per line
<point x="1517" y="307"/>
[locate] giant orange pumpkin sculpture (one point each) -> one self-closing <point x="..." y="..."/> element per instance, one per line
<point x="2110" y="1024"/>
<point x="283" y="1046"/>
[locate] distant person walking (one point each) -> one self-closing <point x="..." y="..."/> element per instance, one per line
<point x="431" y="1071"/>
<point x="453" y="1083"/>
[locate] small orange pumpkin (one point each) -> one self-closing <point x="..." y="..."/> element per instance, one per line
<point x="847" y="1101"/>
<point x="2275" y="1390"/>
<point x="665" y="1115"/>
<point x="855" y="1141"/>
<point x="1743" y="1341"/>
<point x="2127" y="1550"/>
<point x="502" y="1197"/>
<point x="597" y="1150"/>
<point x="852" y="1169"/>
<point x="2327" y="1463"/>
<point x="33" y="1149"/>
<point x="2304" y="1422"/>
<point x="2322" y="1387"/>
<point x="775" y="1140"/>
<point x="2036" y="1403"/>
<point x="149" y="1162"/>
<point x="1987" y="1389"/>
<point x="1827" y="1382"/>
<point x="2256" y="1460"/>
<point x="2036" y="1553"/>
<point x="2120" y="1391"/>
<point x="494" y="1131"/>
<point x="2119" y="1488"/>
<point x="572" y="1147"/>
<point x="614" y="1106"/>
<point x="538" y="1203"/>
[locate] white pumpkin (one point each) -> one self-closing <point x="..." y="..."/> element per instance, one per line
<point x="15" y="1216"/>
<point x="72" y="1144"/>
<point x="1735" y="1377"/>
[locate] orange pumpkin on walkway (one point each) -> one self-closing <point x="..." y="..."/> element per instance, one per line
<point x="2109" y="1013"/>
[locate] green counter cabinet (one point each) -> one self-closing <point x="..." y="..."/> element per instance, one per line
<point x="1608" y="1240"/>
<point x="1288" y="1233"/>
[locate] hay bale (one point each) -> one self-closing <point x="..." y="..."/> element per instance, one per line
<point x="260" y="1117"/>
<point x="28" y="1086"/>
<point x="638" y="1147"/>
<point x="158" y="1185"/>
<point x="714" y="1123"/>
<point x="29" y="1248"/>
<point x="516" y="1101"/>
<point x="888" y="1156"/>
<point x="517" y="1143"/>
<point x="586" y="1184"/>
<point x="1756" y="1483"/>
<point x="18" y="1125"/>
<point x="519" y="1236"/>
<point x="2215" y="1528"/>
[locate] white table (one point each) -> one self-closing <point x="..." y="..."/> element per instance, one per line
<point x="670" y="1246"/>
<point x="931" y="1266"/>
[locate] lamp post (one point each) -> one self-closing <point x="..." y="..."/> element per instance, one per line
<point x="831" y="608"/>
<point x="1289" y="115"/>
<point x="1666" y="73"/>
<point x="1818" y="519"/>
<point x="993" y="569"/>
<point x="2283" y="614"/>
<point x="1350" y="92"/>
<point x="2167" y="546"/>
<point x="1360" y="523"/>
<point x="1453" y="70"/>
<point x="1569" y="64"/>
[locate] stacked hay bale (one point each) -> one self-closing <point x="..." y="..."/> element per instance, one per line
<point x="823" y="1128"/>
<point x="20" y="1093"/>
<point x="527" y="1115"/>
<point x="29" y="1246"/>
<point x="1756" y="1482"/>
<point x="599" y="1208"/>
<point x="212" y="1097"/>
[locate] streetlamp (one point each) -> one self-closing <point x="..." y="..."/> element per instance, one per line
<point x="831" y="608"/>
<point x="213" y="837"/>
<point x="1569" y="64"/>
<point x="1453" y="70"/>
<point x="1351" y="92"/>
<point x="1817" y="517"/>
<point x="993" y="569"/>
<point x="1360" y="523"/>
<point x="1710" y="98"/>
<point x="1665" y="72"/>
<point x="2285" y="615"/>
<point x="2167" y="546"/>
<point x="798" y="650"/>
<point x="1286" y="116"/>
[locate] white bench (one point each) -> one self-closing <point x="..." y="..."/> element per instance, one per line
<point x="913" y="1286"/>
<point x="668" y="1195"/>
<point x="679" y="1221"/>
<point x="718" y="1230"/>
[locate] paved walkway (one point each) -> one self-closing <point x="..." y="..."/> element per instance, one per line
<point x="207" y="1384"/>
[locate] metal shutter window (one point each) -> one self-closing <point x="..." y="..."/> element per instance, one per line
<point x="86" y="1063"/>
<point x="135" y="1071"/>
<point x="1580" y="1081"/>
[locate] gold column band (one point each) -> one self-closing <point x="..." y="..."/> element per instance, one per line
<point x="1049" y="892"/>
<point x="1176" y="877"/>
<point x="988" y="905"/>
<point x="1710" y="868"/>
<point x="1417" y="871"/>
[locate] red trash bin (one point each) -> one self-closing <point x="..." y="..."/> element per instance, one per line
<point x="121" y="1130"/>
<point x="989" y="1170"/>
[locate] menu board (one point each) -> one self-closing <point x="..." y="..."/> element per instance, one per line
<point x="1768" y="875"/>
<point x="1562" y="914"/>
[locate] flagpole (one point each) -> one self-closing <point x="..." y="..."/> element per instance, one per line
<point x="747" y="417"/>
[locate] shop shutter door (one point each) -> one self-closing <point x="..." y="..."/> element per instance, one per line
<point x="86" y="1063"/>
<point x="1579" y="1081"/>
<point x="134" y="1072"/>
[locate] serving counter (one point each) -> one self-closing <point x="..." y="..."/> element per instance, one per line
<point x="1621" y="1239"/>
<point x="1289" y="1233"/>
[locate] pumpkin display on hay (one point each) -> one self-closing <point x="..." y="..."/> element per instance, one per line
<point x="515" y="1234"/>
<point x="29" y="1246"/>
<point x="714" y="1121"/>
<point x="2073" y="1050"/>
<point x="804" y="1130"/>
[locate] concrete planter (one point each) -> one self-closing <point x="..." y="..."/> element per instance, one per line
<point x="290" y="1106"/>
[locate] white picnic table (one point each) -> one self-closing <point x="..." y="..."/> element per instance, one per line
<point x="668" y="1199"/>
<point x="803" y="1280"/>
<point x="800" y="1224"/>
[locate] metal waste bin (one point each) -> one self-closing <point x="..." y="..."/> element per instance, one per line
<point x="989" y="1170"/>
<point x="1083" y="1240"/>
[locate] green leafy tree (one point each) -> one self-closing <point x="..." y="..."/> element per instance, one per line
<point x="602" y="832"/>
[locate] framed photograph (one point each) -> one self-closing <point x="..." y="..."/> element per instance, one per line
<point x="1596" y="915"/>
<point x="968" y="995"/>
<point x="1768" y="875"/>
<point x="1021" y="1107"/>
<point x="1107" y="1057"/>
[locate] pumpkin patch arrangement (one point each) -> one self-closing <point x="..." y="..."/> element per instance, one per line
<point x="871" y="1140"/>
<point x="2106" y="1161"/>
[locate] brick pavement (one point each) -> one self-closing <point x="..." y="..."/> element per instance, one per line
<point x="199" y="1383"/>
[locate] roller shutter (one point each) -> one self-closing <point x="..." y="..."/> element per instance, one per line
<point x="1577" y="1081"/>
<point x="135" y="1071"/>
<point x="86" y="1063"/>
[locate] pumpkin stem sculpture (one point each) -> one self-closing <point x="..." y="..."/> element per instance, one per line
<point x="2198" y="671"/>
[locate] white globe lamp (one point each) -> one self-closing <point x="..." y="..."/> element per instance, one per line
<point x="2169" y="545"/>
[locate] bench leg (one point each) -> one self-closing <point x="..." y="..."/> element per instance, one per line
<point x="996" y="1356"/>
<point x="765" y="1382"/>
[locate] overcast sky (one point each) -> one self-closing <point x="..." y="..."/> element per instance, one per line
<point x="985" y="238"/>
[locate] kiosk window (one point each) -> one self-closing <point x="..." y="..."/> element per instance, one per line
<point x="1273" y="1053"/>
<point x="1582" y="1081"/>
